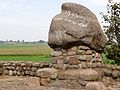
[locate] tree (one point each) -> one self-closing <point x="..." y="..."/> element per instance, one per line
<point x="112" y="30"/>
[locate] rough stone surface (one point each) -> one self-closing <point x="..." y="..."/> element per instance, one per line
<point x="115" y="74"/>
<point x="76" y="24"/>
<point x="89" y="75"/>
<point x="73" y="61"/>
<point x="44" y="81"/>
<point x="1" y="70"/>
<point x="95" y="86"/>
<point x="24" y="83"/>
<point x="107" y="72"/>
<point x="58" y="84"/>
<point x="56" y="53"/>
<point x="83" y="74"/>
<point x="32" y="83"/>
<point x="47" y="72"/>
<point x="10" y="72"/>
<point x="108" y="81"/>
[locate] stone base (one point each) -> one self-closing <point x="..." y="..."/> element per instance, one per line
<point x="78" y="79"/>
<point x="76" y="57"/>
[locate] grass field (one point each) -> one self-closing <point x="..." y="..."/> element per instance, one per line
<point x="24" y="52"/>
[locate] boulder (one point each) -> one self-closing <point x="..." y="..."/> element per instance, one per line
<point x="44" y="81"/>
<point x="47" y="72"/>
<point x="95" y="86"/>
<point x="89" y="75"/>
<point x="56" y="53"/>
<point x="76" y="25"/>
<point x="79" y="74"/>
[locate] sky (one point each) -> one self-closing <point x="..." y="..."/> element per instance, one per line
<point x="30" y="20"/>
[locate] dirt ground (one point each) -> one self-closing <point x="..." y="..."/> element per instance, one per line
<point x="19" y="83"/>
<point x="23" y="83"/>
<point x="29" y="83"/>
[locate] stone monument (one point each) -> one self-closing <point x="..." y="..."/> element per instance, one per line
<point x="76" y="38"/>
<point x="76" y="64"/>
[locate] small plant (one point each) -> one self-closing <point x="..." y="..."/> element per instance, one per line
<point x="113" y="53"/>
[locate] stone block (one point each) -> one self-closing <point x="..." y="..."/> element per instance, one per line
<point x="44" y="81"/>
<point x="95" y="86"/>
<point x="115" y="74"/>
<point x="108" y="81"/>
<point x="71" y="53"/>
<point x="35" y="64"/>
<point x="32" y="73"/>
<point x="82" y="58"/>
<point x="107" y="72"/>
<point x="47" y="72"/>
<point x="73" y="60"/>
<point x="10" y="72"/>
<point x="83" y="48"/>
<point x="58" y="84"/>
<point x="5" y="72"/>
<point x="14" y="72"/>
<point x="56" y="53"/>
<point x="34" y="69"/>
<point x="80" y="52"/>
<point x="88" y="52"/>
<point x="83" y="65"/>
<point x="74" y="49"/>
<point x="89" y="75"/>
<point x="77" y="74"/>
<point x="73" y="66"/>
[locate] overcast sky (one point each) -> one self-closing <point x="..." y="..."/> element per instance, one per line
<point x="30" y="19"/>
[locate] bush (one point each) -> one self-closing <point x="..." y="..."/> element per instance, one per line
<point x="111" y="55"/>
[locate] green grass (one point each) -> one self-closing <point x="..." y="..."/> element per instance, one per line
<point x="24" y="49"/>
<point x="24" y="58"/>
<point x="24" y="52"/>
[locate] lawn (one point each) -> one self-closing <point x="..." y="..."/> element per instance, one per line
<point x="25" y="52"/>
<point x="24" y="58"/>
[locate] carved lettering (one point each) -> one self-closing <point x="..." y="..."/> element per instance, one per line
<point x="75" y="15"/>
<point x="71" y="21"/>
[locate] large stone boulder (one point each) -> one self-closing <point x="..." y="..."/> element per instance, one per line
<point x="76" y="25"/>
<point x="95" y="86"/>
<point x="47" y="72"/>
<point x="79" y="74"/>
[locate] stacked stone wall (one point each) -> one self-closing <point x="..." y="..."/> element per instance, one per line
<point x="21" y="68"/>
<point x="72" y="78"/>
<point x="76" y="57"/>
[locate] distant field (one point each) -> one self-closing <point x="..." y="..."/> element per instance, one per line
<point x="24" y="52"/>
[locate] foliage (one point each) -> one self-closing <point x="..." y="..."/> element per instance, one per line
<point x="112" y="30"/>
<point x="111" y="55"/>
<point x="106" y="60"/>
<point x="24" y="58"/>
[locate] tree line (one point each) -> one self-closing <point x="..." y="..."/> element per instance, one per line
<point x="20" y="41"/>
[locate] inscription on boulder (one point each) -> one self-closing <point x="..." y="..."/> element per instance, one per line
<point x="74" y="15"/>
<point x="76" y="38"/>
<point x="76" y="25"/>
